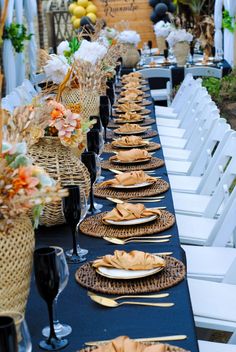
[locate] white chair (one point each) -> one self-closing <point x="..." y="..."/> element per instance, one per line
<point x="207" y="346"/>
<point x="159" y="94"/>
<point x="206" y="231"/>
<point x="36" y="79"/>
<point x="211" y="263"/>
<point x="204" y="72"/>
<point x="180" y="97"/>
<point x="219" y="137"/>
<point x="214" y="305"/>
<point x="11" y="101"/>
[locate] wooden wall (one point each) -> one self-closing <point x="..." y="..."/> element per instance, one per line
<point x="135" y="12"/>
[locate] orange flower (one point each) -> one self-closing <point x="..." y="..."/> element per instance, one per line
<point x="56" y="114"/>
<point x="24" y="180"/>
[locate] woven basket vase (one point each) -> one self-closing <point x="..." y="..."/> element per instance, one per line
<point x="16" y="255"/>
<point x="64" y="167"/>
<point x="181" y="52"/>
<point x="131" y="56"/>
<point x="161" y="44"/>
<point x="87" y="104"/>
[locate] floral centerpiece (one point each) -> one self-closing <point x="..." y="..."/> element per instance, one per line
<point x="23" y="187"/>
<point x="162" y="30"/>
<point x="180" y="41"/>
<point x="130" y="40"/>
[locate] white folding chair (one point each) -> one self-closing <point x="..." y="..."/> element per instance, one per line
<point x="159" y="94"/>
<point x="36" y="79"/>
<point x="214" y="306"/>
<point x="204" y="72"/>
<point x="11" y="101"/>
<point x="207" y="346"/>
<point x="217" y="139"/>
<point x="206" y="231"/>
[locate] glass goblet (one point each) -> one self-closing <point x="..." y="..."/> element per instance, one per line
<point x="8" y="338"/>
<point x="47" y="277"/>
<point x="60" y="329"/>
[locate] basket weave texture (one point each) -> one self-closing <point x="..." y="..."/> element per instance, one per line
<point x="131" y="56"/>
<point x="16" y="254"/>
<point x="181" y="51"/>
<point x="87" y="104"/>
<point x="64" y="167"/>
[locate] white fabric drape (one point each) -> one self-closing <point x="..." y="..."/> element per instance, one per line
<point x="8" y="54"/>
<point x="30" y="13"/>
<point x="228" y="36"/>
<point x="20" y="57"/>
<point x="218" y="24"/>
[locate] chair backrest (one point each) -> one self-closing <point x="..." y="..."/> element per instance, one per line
<point x="156" y="73"/>
<point x="204" y="71"/>
<point x="29" y="88"/>
<point x="225" y="225"/>
<point x="36" y="79"/>
<point x="183" y="92"/>
<point x="11" y="101"/>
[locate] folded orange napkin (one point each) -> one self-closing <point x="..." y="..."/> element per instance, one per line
<point x="134" y="260"/>
<point x="131" y="155"/>
<point x="132" y="85"/>
<point x="133" y="74"/>
<point x="129" y="179"/>
<point x="128" y="140"/>
<point x="130" y="97"/>
<point x="129" y="106"/>
<point x="125" y="344"/>
<point x="131" y="128"/>
<point x="132" y="90"/>
<point x="127" y="211"/>
<point x="130" y="116"/>
<point x="131" y="79"/>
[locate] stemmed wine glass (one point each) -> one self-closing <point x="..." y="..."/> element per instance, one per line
<point x="105" y="112"/>
<point x="191" y="53"/>
<point x="110" y="92"/>
<point x="60" y="329"/>
<point x="166" y="54"/>
<point x="98" y="124"/>
<point x="8" y="338"/>
<point x="149" y="43"/>
<point x="47" y="277"/>
<point x="75" y="209"/>
<point x="89" y="160"/>
<point x="22" y="333"/>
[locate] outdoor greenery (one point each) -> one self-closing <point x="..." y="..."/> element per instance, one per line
<point x="227" y="22"/>
<point x="17" y="33"/>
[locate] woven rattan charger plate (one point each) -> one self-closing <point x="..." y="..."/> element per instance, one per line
<point x="158" y="187"/>
<point x="173" y="273"/>
<point x="146" y="122"/>
<point x="150" y="148"/>
<point x="93" y="226"/>
<point x="168" y="348"/>
<point x="146" y="134"/>
<point x="153" y="164"/>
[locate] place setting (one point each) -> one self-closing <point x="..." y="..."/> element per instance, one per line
<point x="128" y="185"/>
<point x="132" y="160"/>
<point x="130" y="142"/>
<point x="128" y="220"/>
<point x="130" y="273"/>
<point x="132" y="129"/>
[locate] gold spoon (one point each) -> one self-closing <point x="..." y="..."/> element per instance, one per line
<point x="148" y="339"/>
<point x="110" y="303"/>
<point x="137" y="239"/>
<point x="159" y="295"/>
<point x="151" y="200"/>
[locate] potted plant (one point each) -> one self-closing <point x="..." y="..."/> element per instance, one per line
<point x="162" y="30"/>
<point x="180" y="40"/>
<point x="130" y="40"/>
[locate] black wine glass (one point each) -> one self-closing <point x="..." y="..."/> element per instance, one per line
<point x="192" y="53"/>
<point x="8" y="337"/>
<point x="72" y="209"/>
<point x="93" y="141"/>
<point x="166" y="54"/>
<point x="105" y="112"/>
<point x="89" y="160"/>
<point x="98" y="124"/>
<point x="46" y="269"/>
<point x="110" y="92"/>
<point x="149" y="43"/>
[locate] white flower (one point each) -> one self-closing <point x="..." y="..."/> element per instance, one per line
<point x="62" y="47"/>
<point x="129" y="37"/>
<point x="56" y="68"/>
<point x="104" y="41"/>
<point x="90" y="51"/>
<point x="110" y="33"/>
<point x="162" y="29"/>
<point x="179" y="35"/>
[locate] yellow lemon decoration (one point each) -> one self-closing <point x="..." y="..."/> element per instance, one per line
<point x="91" y="9"/>
<point x="92" y="17"/>
<point x="72" y="7"/>
<point x="83" y="3"/>
<point x="73" y="18"/>
<point x="79" y="11"/>
<point x="76" y="23"/>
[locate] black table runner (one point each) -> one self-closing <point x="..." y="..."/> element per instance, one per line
<point x="90" y="321"/>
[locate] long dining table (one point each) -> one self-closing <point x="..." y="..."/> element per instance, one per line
<point x="92" y="322"/>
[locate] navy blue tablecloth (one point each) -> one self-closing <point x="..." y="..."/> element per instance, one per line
<point x="93" y="322"/>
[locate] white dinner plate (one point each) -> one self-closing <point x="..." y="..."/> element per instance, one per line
<point x="132" y="222"/>
<point x="137" y="185"/>
<point x="121" y="274"/>
<point x="117" y="161"/>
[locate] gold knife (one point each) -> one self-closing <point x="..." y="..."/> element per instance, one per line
<point x="149" y="339"/>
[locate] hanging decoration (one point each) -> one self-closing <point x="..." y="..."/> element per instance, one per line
<point x="161" y="8"/>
